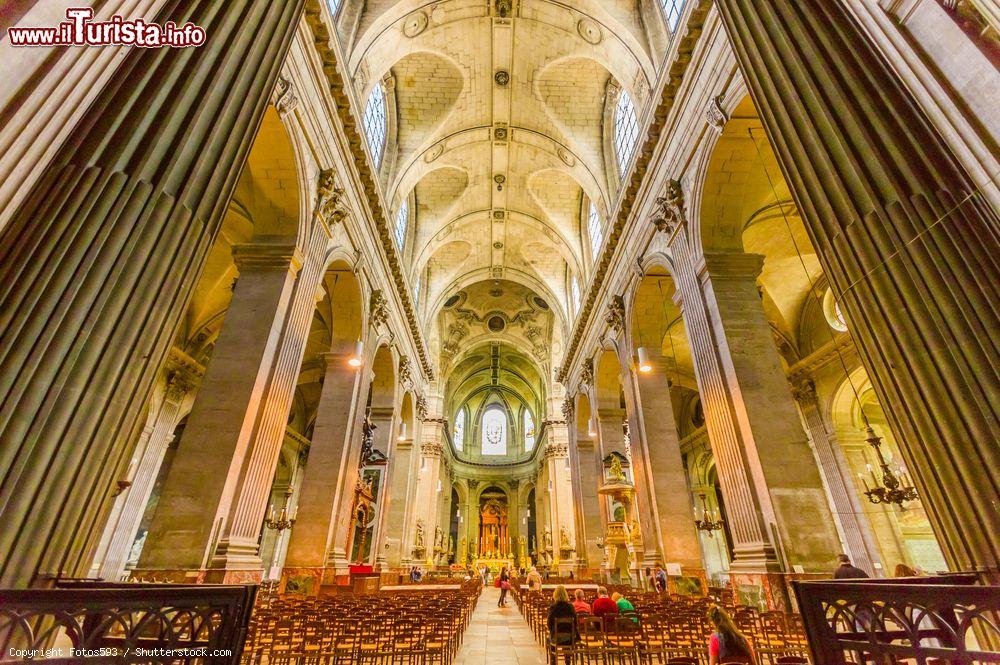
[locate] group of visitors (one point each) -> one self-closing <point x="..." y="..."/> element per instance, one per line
<point x="726" y="644"/>
<point x="656" y="579"/>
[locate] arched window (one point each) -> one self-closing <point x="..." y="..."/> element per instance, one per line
<point x="459" y="435"/>
<point x="374" y="123"/>
<point x="594" y="229"/>
<point x="574" y="290"/>
<point x="626" y="130"/>
<point x="495" y="431"/>
<point x="402" y="218"/>
<point x="672" y="11"/>
<point x="529" y="430"/>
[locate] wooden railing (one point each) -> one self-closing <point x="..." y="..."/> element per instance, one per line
<point x="98" y="622"/>
<point x="921" y="621"/>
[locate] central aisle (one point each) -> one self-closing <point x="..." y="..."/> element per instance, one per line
<point x="498" y="636"/>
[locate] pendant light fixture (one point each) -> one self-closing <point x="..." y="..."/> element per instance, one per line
<point x="357" y="358"/>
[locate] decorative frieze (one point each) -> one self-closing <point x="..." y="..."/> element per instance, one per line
<point x="555" y="451"/>
<point x="431" y="449"/>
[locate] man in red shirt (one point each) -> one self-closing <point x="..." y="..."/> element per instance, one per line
<point x="604" y="607"/>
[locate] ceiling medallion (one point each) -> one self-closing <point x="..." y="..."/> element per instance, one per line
<point x="566" y="157"/>
<point x="499" y="133"/>
<point x="590" y="31"/>
<point x="498" y="216"/>
<point x="414" y="24"/>
<point x="496" y="323"/>
<point x="498" y="245"/>
<point x="499" y="179"/>
<point x="502" y="77"/>
<point x="433" y="153"/>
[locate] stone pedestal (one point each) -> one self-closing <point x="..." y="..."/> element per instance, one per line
<point x="908" y="245"/>
<point x="103" y="255"/>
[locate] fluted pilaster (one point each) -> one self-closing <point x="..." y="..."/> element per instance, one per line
<point x="98" y="263"/>
<point x="910" y="248"/>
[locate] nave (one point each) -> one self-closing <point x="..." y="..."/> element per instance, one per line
<point x="499" y="635"/>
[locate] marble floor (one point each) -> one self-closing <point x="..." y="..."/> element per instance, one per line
<point x="498" y="635"/>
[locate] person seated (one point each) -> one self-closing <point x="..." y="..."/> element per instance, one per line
<point x="534" y="580"/>
<point x="727" y="644"/>
<point x="604" y="607"/>
<point x="561" y="608"/>
<point x="623" y="604"/>
<point x="580" y="604"/>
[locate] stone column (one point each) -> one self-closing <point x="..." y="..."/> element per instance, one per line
<point x="845" y="504"/>
<point x="400" y="479"/>
<point x="331" y="471"/>
<point x="427" y="505"/>
<point x="215" y="495"/>
<point x="789" y="488"/>
<point x="557" y="470"/>
<point x="655" y="435"/>
<point x="183" y="375"/>
<point x="907" y="243"/>
<point x="384" y="439"/>
<point x="590" y="476"/>
<point x="104" y="255"/>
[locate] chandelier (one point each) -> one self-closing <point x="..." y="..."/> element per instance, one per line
<point x="893" y="488"/>
<point x="706" y="523"/>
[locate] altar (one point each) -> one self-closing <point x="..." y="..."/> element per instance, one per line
<point x="493" y="565"/>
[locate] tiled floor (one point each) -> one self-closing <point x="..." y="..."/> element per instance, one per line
<point x="498" y="635"/>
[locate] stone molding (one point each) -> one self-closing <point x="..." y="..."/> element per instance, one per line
<point x="687" y="39"/>
<point x="555" y="451"/>
<point x="267" y="256"/>
<point x="729" y="265"/>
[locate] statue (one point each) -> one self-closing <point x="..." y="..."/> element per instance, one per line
<point x="418" y="540"/>
<point x="547" y="539"/>
<point x="451" y="544"/>
<point x="615" y="471"/>
<point x="636" y="532"/>
<point x="438" y="538"/>
<point x="564" y="539"/>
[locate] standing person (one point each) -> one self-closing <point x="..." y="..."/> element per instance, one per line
<point x="561" y="608"/>
<point x="504" y="587"/>
<point x="534" y="580"/>
<point x="604" y="607"/>
<point x="727" y="644"/>
<point x="845" y="571"/>
<point x="416" y="575"/>
<point x="661" y="578"/>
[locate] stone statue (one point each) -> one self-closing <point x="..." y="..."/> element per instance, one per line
<point x="438" y="538"/>
<point x="636" y="531"/>
<point x="564" y="539"/>
<point x="547" y="539"/>
<point x="418" y="540"/>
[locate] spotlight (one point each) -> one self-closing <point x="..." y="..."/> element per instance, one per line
<point x="357" y="358"/>
<point x="644" y="365"/>
<point x="402" y="432"/>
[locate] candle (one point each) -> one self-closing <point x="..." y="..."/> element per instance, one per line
<point x="863" y="481"/>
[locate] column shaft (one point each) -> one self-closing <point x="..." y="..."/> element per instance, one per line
<point x="103" y="255"/>
<point x="912" y="251"/>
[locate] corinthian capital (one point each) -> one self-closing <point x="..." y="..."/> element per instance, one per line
<point x="329" y="197"/>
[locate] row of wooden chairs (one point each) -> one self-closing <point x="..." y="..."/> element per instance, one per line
<point x="412" y="627"/>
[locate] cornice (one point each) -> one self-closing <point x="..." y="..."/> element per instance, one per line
<point x="342" y="99"/>
<point x="627" y="200"/>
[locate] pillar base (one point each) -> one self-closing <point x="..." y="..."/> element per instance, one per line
<point x="198" y="576"/>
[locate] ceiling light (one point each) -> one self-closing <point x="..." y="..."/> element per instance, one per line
<point x="357" y="358"/>
<point x="402" y="432"/>
<point x="644" y="365"/>
<point x="591" y="427"/>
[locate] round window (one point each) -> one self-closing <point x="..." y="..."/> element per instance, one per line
<point x="831" y="309"/>
<point x="496" y="323"/>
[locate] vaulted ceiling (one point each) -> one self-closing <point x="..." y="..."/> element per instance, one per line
<point x="497" y="138"/>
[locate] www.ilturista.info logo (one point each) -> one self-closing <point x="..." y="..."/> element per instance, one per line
<point x="80" y="30"/>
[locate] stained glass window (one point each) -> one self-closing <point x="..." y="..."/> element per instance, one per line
<point x="594" y="229"/>
<point x="529" y="430"/>
<point x="459" y="435"/>
<point x="402" y="219"/>
<point x="495" y="431"/>
<point x="374" y="123"/>
<point x="672" y="10"/>
<point x="626" y="130"/>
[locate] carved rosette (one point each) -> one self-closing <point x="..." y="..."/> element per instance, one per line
<point x="285" y="100"/>
<point x="615" y="318"/>
<point x="669" y="214"/>
<point x="431" y="449"/>
<point x="378" y="310"/>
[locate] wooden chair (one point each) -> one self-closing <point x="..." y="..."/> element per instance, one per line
<point x="562" y="641"/>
